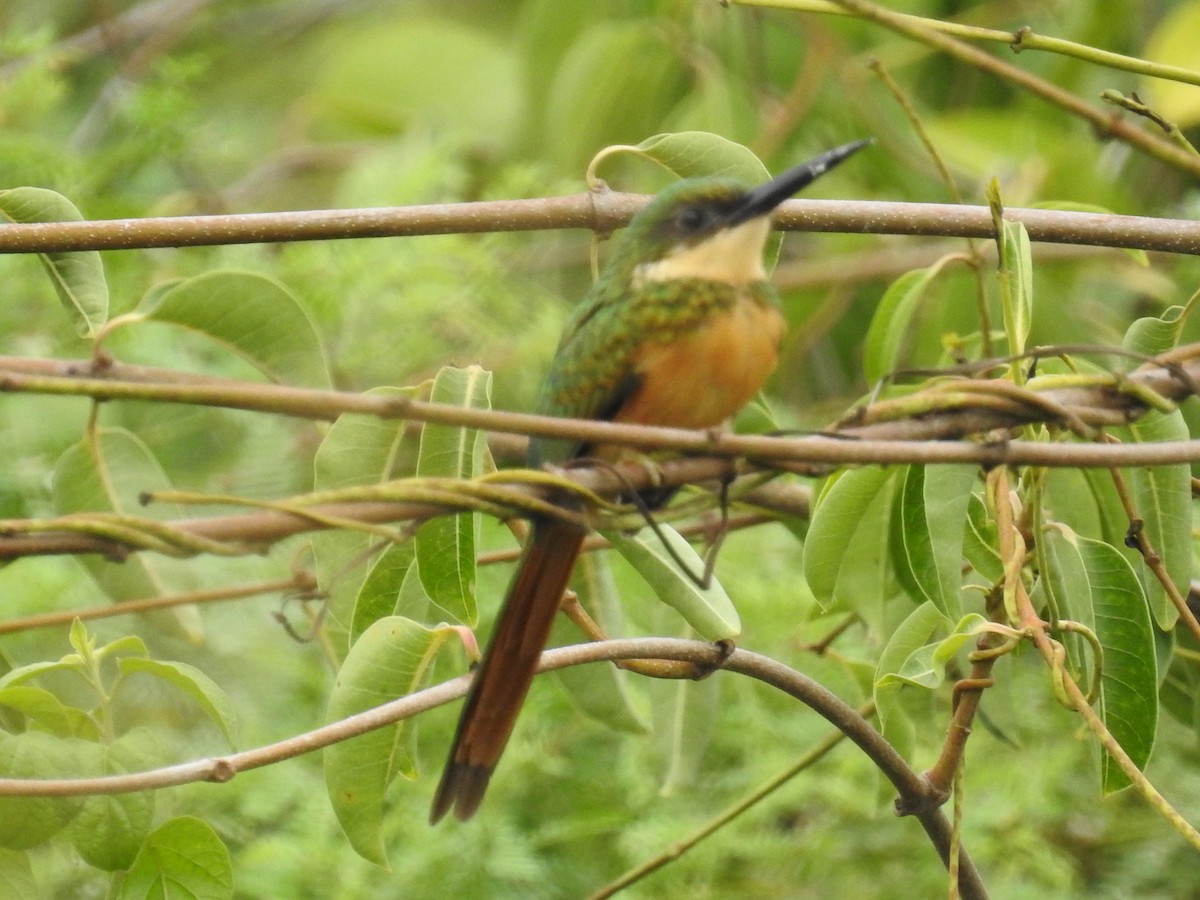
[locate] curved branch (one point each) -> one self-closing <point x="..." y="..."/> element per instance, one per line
<point x="912" y="790"/>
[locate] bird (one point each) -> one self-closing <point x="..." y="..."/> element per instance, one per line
<point x="681" y="329"/>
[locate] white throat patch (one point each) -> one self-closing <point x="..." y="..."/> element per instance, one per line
<point x="731" y="256"/>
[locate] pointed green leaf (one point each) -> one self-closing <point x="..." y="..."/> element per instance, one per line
<point x="932" y="508"/>
<point x="906" y="639"/>
<point x="191" y="681"/>
<point x="1129" y="683"/>
<point x="1064" y="590"/>
<point x="852" y="502"/>
<point x="381" y="588"/>
<point x="50" y="714"/>
<point x="78" y="275"/>
<point x="1015" y="275"/>
<point x="708" y="610"/>
<point x="926" y="666"/>
<point x="701" y="154"/>
<point x="251" y="315"/>
<point x="1152" y="335"/>
<point x="446" y="544"/>
<point x="181" y="858"/>
<point x="980" y="541"/>
<point x="357" y="450"/>
<point x="22" y="674"/>
<point x="891" y="325"/>
<point x="390" y="660"/>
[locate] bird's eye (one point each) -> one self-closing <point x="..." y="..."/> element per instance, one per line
<point x="692" y="219"/>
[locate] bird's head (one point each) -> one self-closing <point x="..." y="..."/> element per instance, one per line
<point x="713" y="228"/>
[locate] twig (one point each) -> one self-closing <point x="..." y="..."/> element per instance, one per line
<point x="299" y="582"/>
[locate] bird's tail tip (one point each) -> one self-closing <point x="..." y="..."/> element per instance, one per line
<point x="461" y="789"/>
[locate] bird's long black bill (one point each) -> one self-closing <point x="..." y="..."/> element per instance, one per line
<point x="763" y="199"/>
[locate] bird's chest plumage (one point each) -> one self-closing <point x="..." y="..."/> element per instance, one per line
<point x="702" y="371"/>
<point x="684" y="354"/>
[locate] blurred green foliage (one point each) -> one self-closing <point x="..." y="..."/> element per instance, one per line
<point x="175" y="108"/>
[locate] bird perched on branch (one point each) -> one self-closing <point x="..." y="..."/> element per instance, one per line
<point x="681" y="329"/>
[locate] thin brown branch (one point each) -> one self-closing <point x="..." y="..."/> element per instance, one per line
<point x="299" y="582"/>
<point x="600" y="212"/>
<point x="883" y="432"/>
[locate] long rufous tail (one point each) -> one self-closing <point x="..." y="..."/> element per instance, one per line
<point x="502" y="679"/>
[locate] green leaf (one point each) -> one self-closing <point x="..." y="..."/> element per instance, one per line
<point x="181" y="858"/>
<point x="446" y="544"/>
<point x="195" y="684"/>
<point x="110" y="829"/>
<point x="50" y="714"/>
<point x="849" y="504"/>
<point x="1162" y="496"/>
<point x="1063" y="588"/>
<point x="250" y="315"/>
<point x="29" y="821"/>
<point x="1015" y="275"/>
<point x="932" y="511"/>
<point x="109" y="474"/>
<point x="980" y="541"/>
<point x="708" y="610"/>
<point x="22" y="674"/>
<point x="381" y="590"/>
<point x="906" y="639"/>
<point x="358" y="450"/>
<point x="390" y="660"/>
<point x="361" y="449"/>
<point x="891" y="325"/>
<point x="1129" y="682"/>
<point x="78" y="275"/>
<point x="696" y="154"/>
<point x="1152" y="335"/>
<point x="926" y="666"/>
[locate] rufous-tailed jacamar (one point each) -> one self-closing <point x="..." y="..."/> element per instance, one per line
<point x="681" y="329"/>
